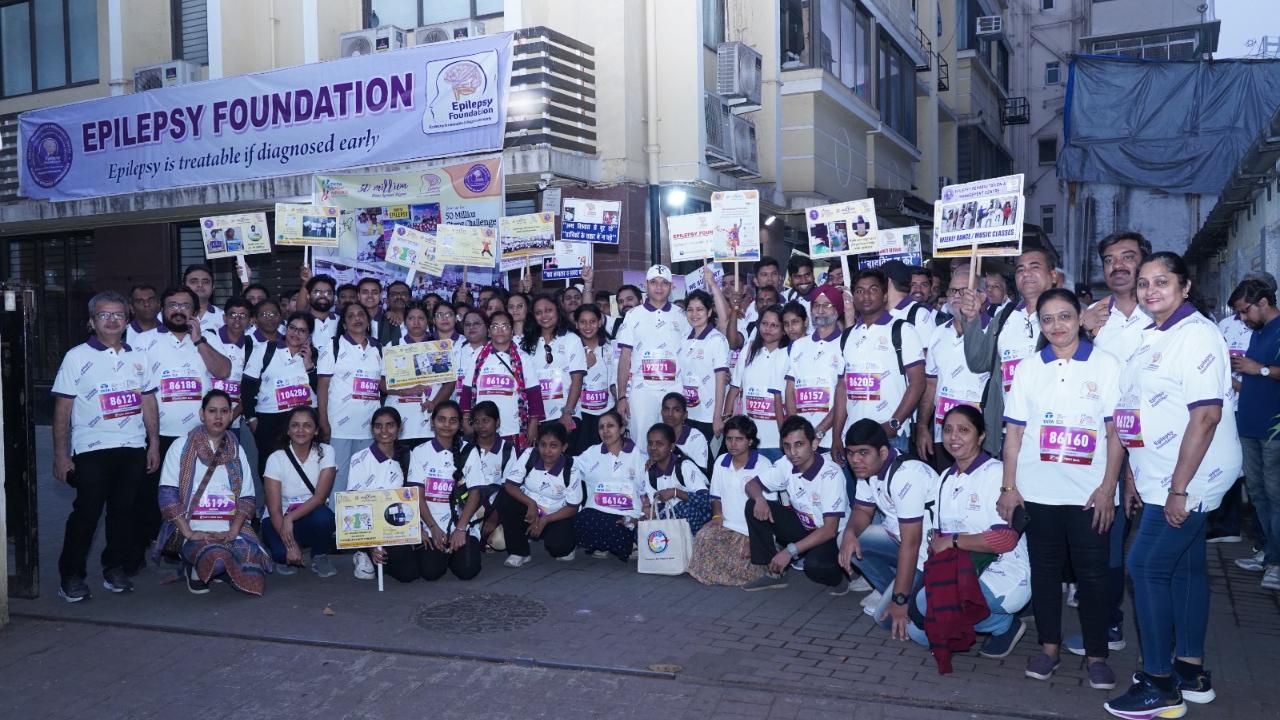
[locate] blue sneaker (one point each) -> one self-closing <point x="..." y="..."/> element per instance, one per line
<point x="1145" y="701"/>
<point x="1115" y="641"/>
<point x="998" y="646"/>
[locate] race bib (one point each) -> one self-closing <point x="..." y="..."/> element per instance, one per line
<point x="552" y="383"/>
<point x="437" y="489"/>
<point x="945" y="405"/>
<point x="595" y="399"/>
<point x="293" y="503"/>
<point x="409" y="399"/>
<point x="691" y="395"/>
<point x="862" y="386"/>
<point x="1006" y="372"/>
<point x="613" y="501"/>
<point x="805" y="519"/>
<point x="761" y="408"/>
<point x="292" y="396"/>
<point x="493" y="384"/>
<point x="230" y="387"/>
<point x="180" y="389"/>
<point x="1069" y="445"/>
<point x="214" y="507"/>
<point x="364" y="388"/>
<point x="813" y="400"/>
<point x="1128" y="422"/>
<point x="658" y="369"/>
<point x="119" y="403"/>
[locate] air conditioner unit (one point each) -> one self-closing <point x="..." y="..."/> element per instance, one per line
<point x="738" y="72"/>
<point x="990" y="24"/>
<point x="444" y="32"/>
<point x="373" y="40"/>
<point x="178" y="72"/>
<point x="719" y="147"/>
<point x="745" y="154"/>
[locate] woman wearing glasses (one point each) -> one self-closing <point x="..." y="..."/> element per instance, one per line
<point x="350" y="371"/>
<point x="415" y="403"/>
<point x="278" y="377"/>
<point x="501" y="376"/>
<point x="444" y="321"/>
<point x="556" y="358"/>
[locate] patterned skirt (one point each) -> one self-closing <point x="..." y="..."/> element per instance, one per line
<point x="722" y="557"/>
<point x="598" y="530"/>
<point x="242" y="562"/>
<point x="696" y="510"/>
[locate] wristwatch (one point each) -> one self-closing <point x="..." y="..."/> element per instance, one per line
<point x="1265" y="371"/>
<point x="791" y="548"/>
<point x="899" y="598"/>
<point x="894" y="424"/>
<point x="821" y="434"/>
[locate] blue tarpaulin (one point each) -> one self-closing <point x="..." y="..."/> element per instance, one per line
<point x="1177" y="126"/>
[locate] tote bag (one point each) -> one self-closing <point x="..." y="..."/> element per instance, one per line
<point x="665" y="544"/>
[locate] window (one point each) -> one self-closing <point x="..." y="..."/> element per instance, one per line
<point x="794" y="28"/>
<point x="1047" y="150"/>
<point x="712" y="23"/>
<point x="895" y="96"/>
<point x="1046" y="218"/>
<point x="977" y="157"/>
<point x="405" y="15"/>
<point x="967" y="14"/>
<point x="1046" y="4"/>
<point x="47" y="44"/>
<point x="1052" y="73"/>
<point x="845" y="44"/>
<point x="1180" y="45"/>
<point x="191" y="31"/>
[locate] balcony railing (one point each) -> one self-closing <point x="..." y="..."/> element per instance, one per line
<point x="927" y="47"/>
<point x="1015" y="111"/>
<point x="553" y="92"/>
<point x="944" y="73"/>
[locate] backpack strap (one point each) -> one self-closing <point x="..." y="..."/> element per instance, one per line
<point x="248" y="346"/>
<point x="911" y="314"/>
<point x="996" y="376"/>
<point x="844" y="339"/>
<point x="895" y="334"/>
<point x="267" y="354"/>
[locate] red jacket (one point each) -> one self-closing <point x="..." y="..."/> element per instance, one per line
<point x="955" y="604"/>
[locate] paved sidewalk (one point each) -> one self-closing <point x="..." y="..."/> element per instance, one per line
<point x="602" y="614"/>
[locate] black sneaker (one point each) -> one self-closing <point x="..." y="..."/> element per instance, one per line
<point x="194" y="584"/>
<point x="998" y="646"/>
<point x="1195" y="685"/>
<point x="74" y="589"/>
<point x="116" y="580"/>
<point x="1146" y="701"/>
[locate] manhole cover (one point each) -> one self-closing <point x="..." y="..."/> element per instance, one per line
<point x="483" y="613"/>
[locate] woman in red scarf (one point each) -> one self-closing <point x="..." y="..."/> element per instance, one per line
<point x="500" y="376"/>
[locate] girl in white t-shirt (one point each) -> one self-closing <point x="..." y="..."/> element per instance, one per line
<point x="598" y="392"/>
<point x="690" y="440"/>
<point x="721" y="549"/>
<point x="675" y="483"/>
<point x="760" y="379"/>
<point x="704" y="366"/>
<point x="376" y="467"/>
<point x="613" y="477"/>
<point x="297" y="516"/>
<point x="540" y="497"/>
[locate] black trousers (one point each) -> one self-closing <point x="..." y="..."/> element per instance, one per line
<point x="407" y="563"/>
<point x="103" y="479"/>
<point x="1058" y="536"/>
<point x="588" y="433"/>
<point x="558" y="536"/>
<point x="270" y="436"/>
<point x="821" y="563"/>
<point x="146" y="511"/>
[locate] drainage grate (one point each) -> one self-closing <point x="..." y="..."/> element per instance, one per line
<point x="482" y="613"/>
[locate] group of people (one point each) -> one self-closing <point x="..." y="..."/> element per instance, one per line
<point x="951" y="450"/>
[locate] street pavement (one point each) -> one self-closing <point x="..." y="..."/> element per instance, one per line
<point x="549" y="639"/>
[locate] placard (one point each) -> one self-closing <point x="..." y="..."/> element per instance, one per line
<point x="895" y="244"/>
<point x="468" y="245"/>
<point x="551" y="200"/>
<point x="376" y="518"/>
<point x="568" y="261"/>
<point x="231" y="235"/>
<point x="737" y="219"/>
<point x="525" y="237"/>
<point x="690" y="236"/>
<point x="428" y="260"/>
<point x="425" y="363"/>
<point x="979" y="218"/>
<point x="696" y="281"/>
<point x="847" y="228"/>
<point x="594" y="221"/>
<point x="315" y="225"/>
<point x="403" y="248"/>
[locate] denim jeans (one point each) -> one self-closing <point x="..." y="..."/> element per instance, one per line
<point x="879" y="563"/>
<point x="1262" y="478"/>
<point x="999" y="621"/>
<point x="1170" y="588"/>
<point x="313" y="530"/>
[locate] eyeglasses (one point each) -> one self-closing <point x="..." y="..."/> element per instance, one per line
<point x="105" y="316"/>
<point x="443" y="314"/>
<point x="956" y="292"/>
<point x="269" y="315"/>
<point x="237" y="316"/>
<point x="321" y="293"/>
<point x="300" y="330"/>
<point x="177" y="306"/>
<point x="500" y="326"/>
<point x="550" y="357"/>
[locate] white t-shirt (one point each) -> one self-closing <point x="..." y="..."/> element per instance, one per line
<point x="293" y="491"/>
<point x="485" y="467"/>
<point x="1063" y="406"/>
<point x="354" y="393"/>
<point x="655" y="336"/>
<point x="555" y="378"/>
<point x="1237" y="335"/>
<point x="729" y="486"/>
<point x="284" y="383"/>
<point x="216" y="508"/>
<point x="597" y="395"/>
<point x="464" y="361"/>
<point x="816" y="365"/>
<point x="371" y="470"/>
<point x="873" y="385"/>
<point x="547" y="486"/>
<point x="1121" y="335"/>
<point x="431" y="468"/>
<point x="614" y="484"/>
<point x="105" y="387"/>
<point x="924" y="321"/>
<point x="762" y="384"/>
<point x="325" y="328"/>
<point x="496" y="383"/>
<point x="965" y="505"/>
<point x="665" y="478"/>
<point x="181" y="376"/>
<point x="235" y="352"/>
<point x="1017" y="340"/>
<point x="956" y="384"/>
<point x="900" y="494"/>
<point x="701" y="358"/>
<point x="694" y="444"/>
<point x="213" y="319"/>
<point x="816" y="493"/>
<point x="1180" y="365"/>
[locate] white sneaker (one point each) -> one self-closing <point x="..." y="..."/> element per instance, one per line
<point x="364" y="569"/>
<point x="872" y="600"/>
<point x="515" y="561"/>
<point x="569" y="558"/>
<point x="600" y="554"/>
<point x="1271" y="578"/>
<point x="1071" y="596"/>
<point x="860" y="585"/>
<point x="1253" y="563"/>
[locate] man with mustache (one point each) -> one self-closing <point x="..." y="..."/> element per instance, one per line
<point x="182" y="364"/>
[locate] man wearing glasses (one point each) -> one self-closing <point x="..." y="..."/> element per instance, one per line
<point x="104" y="440"/>
<point x="183" y="364"/>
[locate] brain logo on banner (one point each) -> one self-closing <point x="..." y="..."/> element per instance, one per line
<point x="657" y="542"/>
<point x="461" y="93"/>
<point x="48" y="155"/>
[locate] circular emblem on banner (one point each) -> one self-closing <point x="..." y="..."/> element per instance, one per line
<point x="477" y="178"/>
<point x="48" y="155"/>
<point x="813" y="214"/>
<point x="657" y="541"/>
